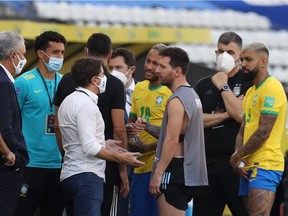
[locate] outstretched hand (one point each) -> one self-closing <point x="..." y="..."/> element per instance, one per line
<point x="130" y="158"/>
<point x="113" y="146"/>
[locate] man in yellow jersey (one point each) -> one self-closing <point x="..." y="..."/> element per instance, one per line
<point x="258" y="157"/>
<point x="148" y="101"/>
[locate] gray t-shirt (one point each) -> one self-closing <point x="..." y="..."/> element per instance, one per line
<point x="195" y="170"/>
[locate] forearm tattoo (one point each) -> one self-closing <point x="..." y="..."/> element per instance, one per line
<point x="257" y="139"/>
<point x="153" y="130"/>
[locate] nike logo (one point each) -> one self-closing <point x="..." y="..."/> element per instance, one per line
<point x="137" y="99"/>
<point x="37" y="91"/>
<point x="250" y="180"/>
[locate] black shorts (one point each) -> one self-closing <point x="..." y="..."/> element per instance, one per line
<point x="173" y="187"/>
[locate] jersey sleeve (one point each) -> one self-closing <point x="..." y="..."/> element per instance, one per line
<point x="271" y="101"/>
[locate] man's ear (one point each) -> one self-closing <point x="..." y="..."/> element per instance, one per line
<point x="264" y="62"/>
<point x="178" y="71"/>
<point x="132" y="69"/>
<point x="40" y="54"/>
<point x="109" y="55"/>
<point x="93" y="80"/>
<point x="12" y="55"/>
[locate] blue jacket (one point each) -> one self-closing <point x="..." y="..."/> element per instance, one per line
<point x="11" y="123"/>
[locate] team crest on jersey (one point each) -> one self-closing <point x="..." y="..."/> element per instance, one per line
<point x="269" y="102"/>
<point x="24" y="190"/>
<point x="255" y="100"/>
<point x="17" y="90"/>
<point x="236" y="90"/>
<point x="159" y="100"/>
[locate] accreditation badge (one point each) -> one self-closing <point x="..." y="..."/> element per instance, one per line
<point x="50" y="121"/>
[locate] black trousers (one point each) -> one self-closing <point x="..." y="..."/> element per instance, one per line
<point x="41" y="188"/>
<point x="223" y="189"/>
<point x="10" y="183"/>
<point x="111" y="189"/>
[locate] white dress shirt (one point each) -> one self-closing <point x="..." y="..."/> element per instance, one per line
<point x="128" y="98"/>
<point x="8" y="73"/>
<point x="82" y="129"/>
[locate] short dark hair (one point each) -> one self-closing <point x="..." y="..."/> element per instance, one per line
<point x="128" y="56"/>
<point x="178" y="57"/>
<point x="42" y="40"/>
<point x="99" y="45"/>
<point x="84" y="69"/>
<point x="228" y="37"/>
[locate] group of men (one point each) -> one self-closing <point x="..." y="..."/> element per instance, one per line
<point x="193" y="143"/>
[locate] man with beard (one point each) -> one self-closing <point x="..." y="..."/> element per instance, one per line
<point x="148" y="101"/>
<point x="180" y="163"/>
<point x="257" y="157"/>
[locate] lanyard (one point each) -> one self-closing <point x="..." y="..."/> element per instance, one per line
<point x="79" y="90"/>
<point x="83" y="92"/>
<point x="49" y="97"/>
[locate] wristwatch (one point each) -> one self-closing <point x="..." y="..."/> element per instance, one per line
<point x="224" y="88"/>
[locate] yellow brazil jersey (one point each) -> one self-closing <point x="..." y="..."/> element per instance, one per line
<point x="266" y="98"/>
<point x="148" y="103"/>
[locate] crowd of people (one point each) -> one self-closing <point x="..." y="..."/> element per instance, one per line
<point x="98" y="142"/>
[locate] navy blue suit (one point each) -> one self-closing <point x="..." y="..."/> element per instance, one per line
<point x="11" y="131"/>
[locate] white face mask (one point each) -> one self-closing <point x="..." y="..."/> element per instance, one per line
<point x="121" y="76"/>
<point x="20" y="64"/>
<point x="102" y="85"/>
<point x="225" y="62"/>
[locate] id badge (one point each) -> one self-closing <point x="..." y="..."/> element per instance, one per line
<point x="50" y="120"/>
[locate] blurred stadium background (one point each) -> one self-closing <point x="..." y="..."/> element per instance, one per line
<point x="137" y="25"/>
<point x="192" y="25"/>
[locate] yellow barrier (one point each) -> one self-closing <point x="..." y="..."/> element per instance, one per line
<point x="73" y="33"/>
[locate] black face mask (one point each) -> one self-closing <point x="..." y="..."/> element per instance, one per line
<point x="250" y="75"/>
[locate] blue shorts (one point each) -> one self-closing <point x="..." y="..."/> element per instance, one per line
<point x="260" y="179"/>
<point x="142" y="203"/>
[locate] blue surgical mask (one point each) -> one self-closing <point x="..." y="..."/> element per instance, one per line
<point x="54" y="64"/>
